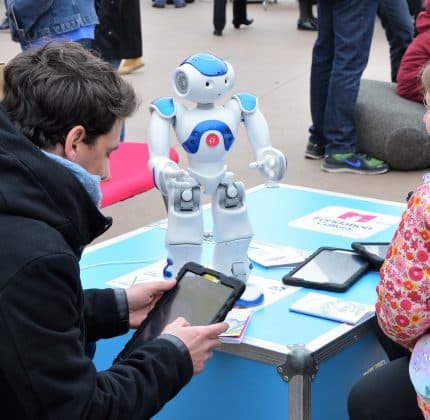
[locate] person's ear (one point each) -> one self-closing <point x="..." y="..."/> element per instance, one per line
<point x="74" y="140"/>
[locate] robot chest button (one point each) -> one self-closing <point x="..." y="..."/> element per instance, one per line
<point x="212" y="140"/>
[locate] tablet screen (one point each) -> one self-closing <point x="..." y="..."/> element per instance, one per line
<point x="331" y="266"/>
<point x="378" y="250"/>
<point x="374" y="252"/>
<point x="201" y="295"/>
<point x="198" y="298"/>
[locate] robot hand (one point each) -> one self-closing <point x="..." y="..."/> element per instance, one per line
<point x="167" y="175"/>
<point x="271" y="163"/>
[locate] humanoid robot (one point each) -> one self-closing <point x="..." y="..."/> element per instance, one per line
<point x="207" y="132"/>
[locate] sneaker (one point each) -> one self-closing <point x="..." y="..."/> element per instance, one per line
<point x="358" y="163"/>
<point x="315" y="150"/>
<point x="160" y="4"/>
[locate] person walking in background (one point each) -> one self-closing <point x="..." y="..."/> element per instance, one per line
<point x="339" y="57"/>
<point x="307" y="21"/>
<point x="118" y="36"/>
<point x="162" y="3"/>
<point x="399" y="29"/>
<point x="129" y="65"/>
<point x="33" y="26"/>
<point x="239" y="15"/>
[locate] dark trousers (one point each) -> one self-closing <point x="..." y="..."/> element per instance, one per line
<point x="118" y="34"/>
<point x="399" y="30"/>
<point x="239" y="12"/>
<point x="305" y="9"/>
<point x="339" y="57"/>
<point x="386" y="393"/>
<point x="415" y="6"/>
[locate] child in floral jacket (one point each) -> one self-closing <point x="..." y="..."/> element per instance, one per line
<point x="403" y="305"/>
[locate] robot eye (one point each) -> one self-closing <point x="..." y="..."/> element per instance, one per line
<point x="226" y="81"/>
<point x="209" y="84"/>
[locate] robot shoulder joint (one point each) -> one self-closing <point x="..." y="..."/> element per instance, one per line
<point x="165" y="107"/>
<point x="247" y="101"/>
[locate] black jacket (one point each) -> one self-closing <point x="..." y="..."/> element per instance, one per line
<point x="46" y="219"/>
<point x="118" y="34"/>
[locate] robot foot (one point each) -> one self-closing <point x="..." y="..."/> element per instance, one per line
<point x="252" y="296"/>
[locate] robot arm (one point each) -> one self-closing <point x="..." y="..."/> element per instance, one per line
<point x="165" y="171"/>
<point x="269" y="161"/>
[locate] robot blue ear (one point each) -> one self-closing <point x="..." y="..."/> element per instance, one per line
<point x="181" y="82"/>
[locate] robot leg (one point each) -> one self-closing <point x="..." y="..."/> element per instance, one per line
<point x="185" y="226"/>
<point x="232" y="234"/>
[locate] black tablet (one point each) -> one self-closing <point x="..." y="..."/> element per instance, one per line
<point x="203" y="296"/>
<point x="328" y="268"/>
<point x="374" y="252"/>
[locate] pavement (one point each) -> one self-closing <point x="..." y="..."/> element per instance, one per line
<point x="271" y="59"/>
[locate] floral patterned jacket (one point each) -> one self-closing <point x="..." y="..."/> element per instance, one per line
<point x="403" y="304"/>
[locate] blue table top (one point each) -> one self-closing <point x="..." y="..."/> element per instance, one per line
<point x="272" y="211"/>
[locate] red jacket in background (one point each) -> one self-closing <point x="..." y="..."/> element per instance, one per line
<point x="415" y="58"/>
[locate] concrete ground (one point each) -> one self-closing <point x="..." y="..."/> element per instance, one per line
<point x="271" y="59"/>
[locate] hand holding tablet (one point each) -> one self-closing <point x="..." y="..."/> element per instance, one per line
<point x="202" y="296"/>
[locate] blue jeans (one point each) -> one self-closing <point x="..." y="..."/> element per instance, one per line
<point x="399" y="29"/>
<point x="339" y="57"/>
<point x="87" y="43"/>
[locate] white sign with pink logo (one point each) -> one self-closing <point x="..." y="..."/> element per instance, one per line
<point x="343" y="221"/>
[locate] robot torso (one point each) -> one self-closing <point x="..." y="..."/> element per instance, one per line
<point x="207" y="133"/>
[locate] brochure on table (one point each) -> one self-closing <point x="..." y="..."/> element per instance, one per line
<point x="274" y="255"/>
<point x="330" y="307"/>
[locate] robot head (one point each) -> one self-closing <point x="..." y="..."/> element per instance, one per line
<point x="203" y="78"/>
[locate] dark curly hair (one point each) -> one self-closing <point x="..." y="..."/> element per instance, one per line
<point x="48" y="91"/>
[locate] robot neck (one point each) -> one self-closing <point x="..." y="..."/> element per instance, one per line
<point x="205" y="106"/>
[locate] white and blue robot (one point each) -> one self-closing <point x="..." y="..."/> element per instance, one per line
<point x="207" y="132"/>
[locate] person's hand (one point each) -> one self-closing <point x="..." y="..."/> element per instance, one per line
<point x="199" y="340"/>
<point x="142" y="298"/>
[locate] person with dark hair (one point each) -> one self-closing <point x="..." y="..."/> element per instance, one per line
<point x="59" y="122"/>
<point x="239" y="15"/>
